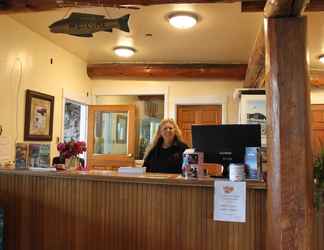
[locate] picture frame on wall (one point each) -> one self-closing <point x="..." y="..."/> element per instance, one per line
<point x="253" y="111"/>
<point x="39" y="112"/>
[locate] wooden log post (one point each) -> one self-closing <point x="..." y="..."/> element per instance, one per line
<point x="290" y="174"/>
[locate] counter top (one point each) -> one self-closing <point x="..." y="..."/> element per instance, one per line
<point x="114" y="176"/>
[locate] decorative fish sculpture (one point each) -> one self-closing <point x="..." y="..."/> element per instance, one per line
<point x="84" y="25"/>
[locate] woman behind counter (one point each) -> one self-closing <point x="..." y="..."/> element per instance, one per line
<point x="164" y="155"/>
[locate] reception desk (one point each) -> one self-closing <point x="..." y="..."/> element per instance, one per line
<point x="73" y="210"/>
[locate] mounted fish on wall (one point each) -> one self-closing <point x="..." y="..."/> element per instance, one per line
<point x="84" y="25"/>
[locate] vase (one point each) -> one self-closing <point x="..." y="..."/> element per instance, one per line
<point x="72" y="163"/>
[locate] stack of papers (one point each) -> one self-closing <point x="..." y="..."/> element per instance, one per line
<point x="42" y="169"/>
<point x="131" y="170"/>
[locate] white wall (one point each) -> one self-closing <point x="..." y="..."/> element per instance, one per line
<point x="25" y="64"/>
<point x="317" y="96"/>
<point x="116" y="100"/>
<point x="177" y="92"/>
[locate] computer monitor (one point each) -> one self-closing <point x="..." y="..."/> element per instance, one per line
<point x="225" y="144"/>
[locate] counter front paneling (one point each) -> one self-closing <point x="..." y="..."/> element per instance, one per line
<point x="104" y="210"/>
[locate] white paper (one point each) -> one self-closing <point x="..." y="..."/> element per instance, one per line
<point x="230" y="201"/>
<point x="4" y="148"/>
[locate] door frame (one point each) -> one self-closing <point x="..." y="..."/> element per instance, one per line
<point x="200" y="100"/>
<point x="102" y="160"/>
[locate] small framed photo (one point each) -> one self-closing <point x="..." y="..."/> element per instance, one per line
<point x="39" y="111"/>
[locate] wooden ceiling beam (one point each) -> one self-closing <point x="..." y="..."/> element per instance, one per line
<point x="258" y="6"/>
<point x="204" y="71"/>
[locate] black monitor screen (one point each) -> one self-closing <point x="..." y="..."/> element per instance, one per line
<point x="225" y="143"/>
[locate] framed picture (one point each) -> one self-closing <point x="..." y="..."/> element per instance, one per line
<point x="121" y="129"/>
<point x="38" y="116"/>
<point x="253" y="111"/>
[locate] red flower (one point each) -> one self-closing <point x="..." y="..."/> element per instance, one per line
<point x="71" y="148"/>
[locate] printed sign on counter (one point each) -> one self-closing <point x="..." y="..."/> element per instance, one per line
<point x="4" y="148"/>
<point x="229" y="201"/>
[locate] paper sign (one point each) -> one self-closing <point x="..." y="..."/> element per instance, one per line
<point x="230" y="201"/>
<point x="4" y="148"/>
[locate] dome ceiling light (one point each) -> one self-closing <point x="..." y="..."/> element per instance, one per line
<point x="321" y="58"/>
<point x="123" y="51"/>
<point x="183" y="20"/>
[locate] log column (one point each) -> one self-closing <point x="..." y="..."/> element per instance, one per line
<point x="290" y="184"/>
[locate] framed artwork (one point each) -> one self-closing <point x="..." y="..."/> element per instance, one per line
<point x="38" y="116"/>
<point x="253" y="111"/>
<point x="121" y="129"/>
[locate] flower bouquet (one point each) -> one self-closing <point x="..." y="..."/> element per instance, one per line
<point x="69" y="151"/>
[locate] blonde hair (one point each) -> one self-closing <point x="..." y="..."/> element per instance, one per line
<point x="157" y="136"/>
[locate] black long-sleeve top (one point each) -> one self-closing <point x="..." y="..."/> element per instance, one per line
<point x="165" y="160"/>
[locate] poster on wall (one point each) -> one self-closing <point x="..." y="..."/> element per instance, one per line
<point x="39" y="156"/>
<point x="253" y="111"/>
<point x="72" y="118"/>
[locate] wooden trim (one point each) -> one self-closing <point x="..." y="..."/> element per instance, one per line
<point x="210" y="71"/>
<point x="258" y="6"/>
<point x="115" y="177"/>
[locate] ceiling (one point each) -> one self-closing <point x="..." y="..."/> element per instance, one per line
<point x="222" y="35"/>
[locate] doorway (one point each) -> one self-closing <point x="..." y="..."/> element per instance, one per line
<point x="187" y="115"/>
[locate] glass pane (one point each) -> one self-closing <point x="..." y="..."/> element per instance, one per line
<point x="111" y="133"/>
<point x="149" y="120"/>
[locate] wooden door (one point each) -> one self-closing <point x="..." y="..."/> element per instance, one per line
<point x="317" y="128"/>
<point x="188" y="115"/>
<point x="111" y="136"/>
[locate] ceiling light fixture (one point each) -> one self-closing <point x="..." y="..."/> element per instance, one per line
<point x="183" y="20"/>
<point x="123" y="51"/>
<point x="321" y="58"/>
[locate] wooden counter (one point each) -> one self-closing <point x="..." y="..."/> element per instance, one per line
<point x="104" y="210"/>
